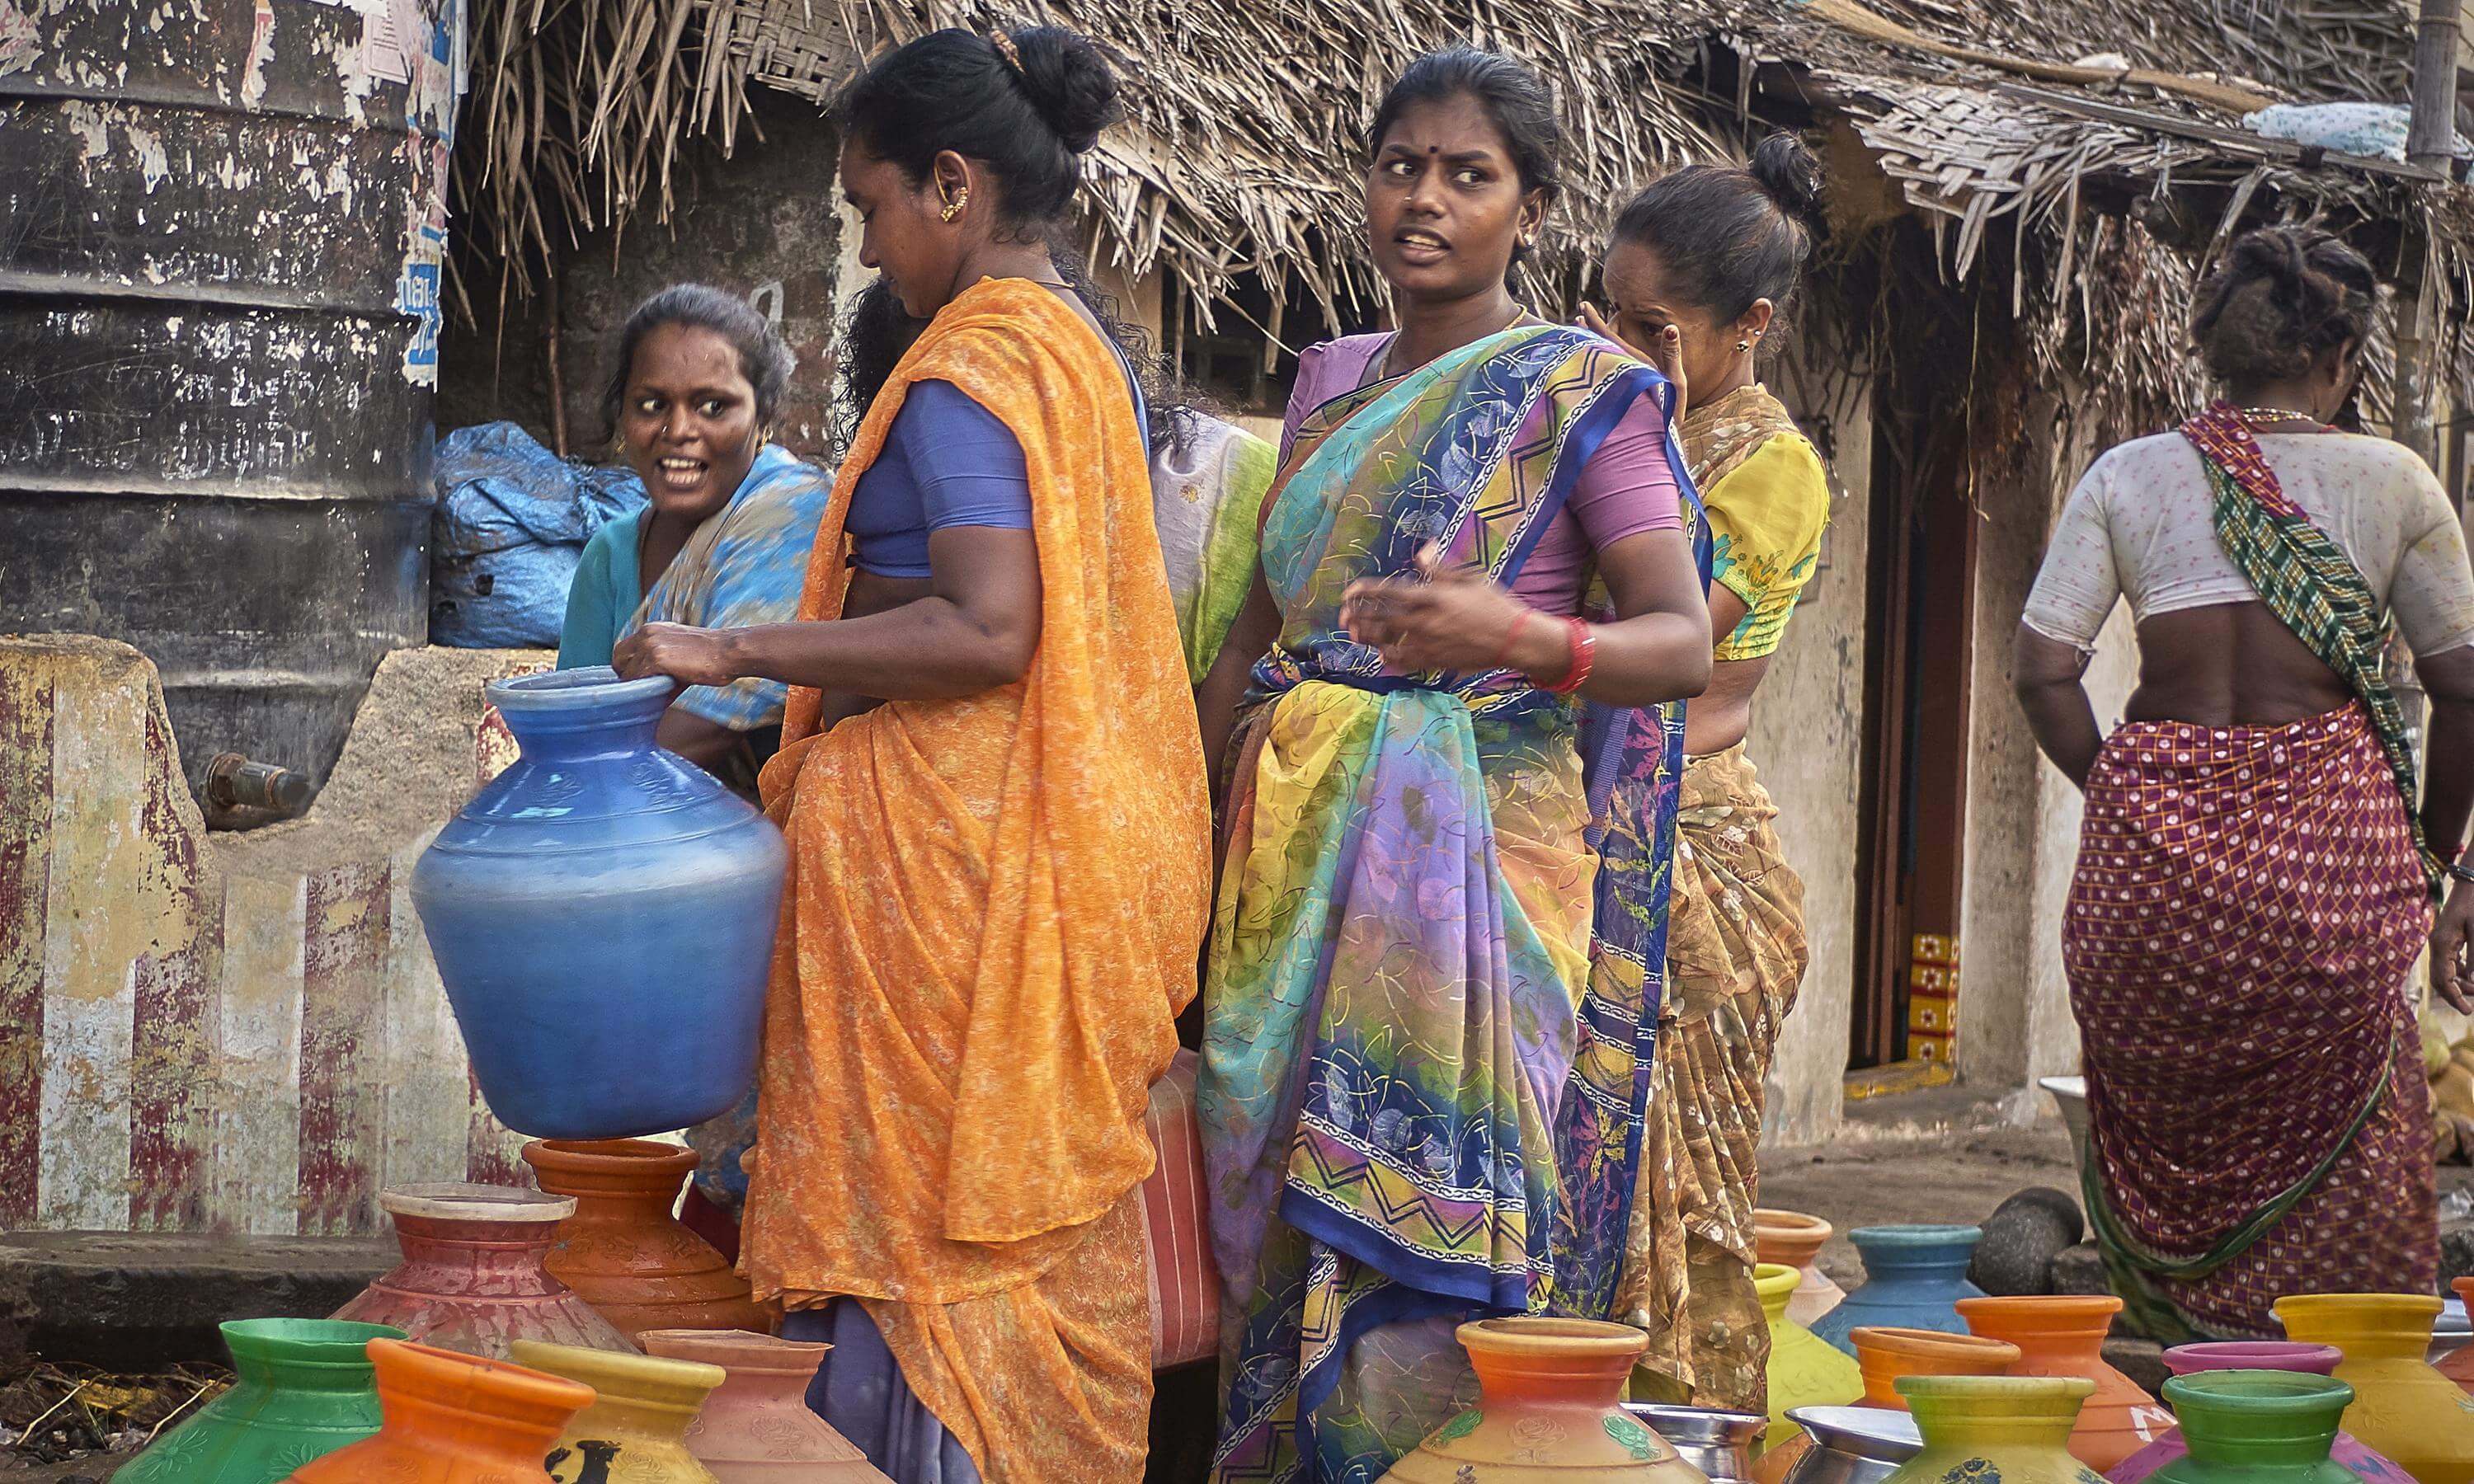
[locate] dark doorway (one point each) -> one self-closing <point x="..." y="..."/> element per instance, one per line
<point x="1913" y="813"/>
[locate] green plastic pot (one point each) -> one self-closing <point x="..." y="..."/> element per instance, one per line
<point x="2257" y="1427"/>
<point x="304" y="1390"/>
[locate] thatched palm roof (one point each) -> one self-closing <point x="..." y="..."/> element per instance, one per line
<point x="1996" y="119"/>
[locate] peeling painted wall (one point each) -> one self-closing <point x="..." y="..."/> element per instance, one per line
<point x="224" y="1033"/>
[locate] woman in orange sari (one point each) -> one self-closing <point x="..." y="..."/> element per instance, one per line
<point x="992" y="785"/>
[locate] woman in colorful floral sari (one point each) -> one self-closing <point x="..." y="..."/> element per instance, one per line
<point x="2254" y="879"/>
<point x="1433" y="974"/>
<point x="1705" y="261"/>
<point x="994" y="795"/>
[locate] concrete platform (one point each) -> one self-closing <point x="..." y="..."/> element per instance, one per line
<point x="138" y="1302"/>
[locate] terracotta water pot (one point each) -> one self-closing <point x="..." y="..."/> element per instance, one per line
<point x="758" y="1428"/>
<point x="1914" y="1276"/>
<point x="2257" y="1427"/>
<point x="1995" y="1430"/>
<point x="453" y="1419"/>
<point x="472" y="1276"/>
<point x="2063" y="1334"/>
<point x="2286" y="1355"/>
<point x="303" y="1390"/>
<point x="2459" y="1366"/>
<point x="1885" y="1354"/>
<point x="1803" y="1371"/>
<point x="2403" y="1409"/>
<point x="636" y="1428"/>
<point x="1550" y="1411"/>
<point x="1793" y="1239"/>
<point x="624" y="1252"/>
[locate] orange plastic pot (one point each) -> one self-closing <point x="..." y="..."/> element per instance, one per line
<point x="624" y="1252"/>
<point x="2063" y="1334"/>
<point x="1886" y="1355"/>
<point x="453" y="1419"/>
<point x="1793" y="1239"/>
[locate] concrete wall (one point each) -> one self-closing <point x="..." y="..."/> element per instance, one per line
<point x="223" y="1032"/>
<point x="1807" y="741"/>
<point x="2022" y="824"/>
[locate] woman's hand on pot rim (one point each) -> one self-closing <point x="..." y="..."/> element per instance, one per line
<point x="692" y="656"/>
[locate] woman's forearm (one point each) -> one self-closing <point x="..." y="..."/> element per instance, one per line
<point x="1255" y="629"/>
<point x="2064" y="722"/>
<point x="926" y="650"/>
<point x="1644" y="661"/>
<point x="2448" y="780"/>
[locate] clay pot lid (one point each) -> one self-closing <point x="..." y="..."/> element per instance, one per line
<point x="655" y="1381"/>
<point x="1891" y="1340"/>
<point x="1789" y="1237"/>
<point x="2292" y="1355"/>
<point x="464" y="1200"/>
<point x="1996" y="1389"/>
<point x="748" y="1350"/>
<point x="1792" y="1224"/>
<point x="632" y="1161"/>
<point x="477" y="1383"/>
<point x="2039" y="1314"/>
<point x="1540" y="1335"/>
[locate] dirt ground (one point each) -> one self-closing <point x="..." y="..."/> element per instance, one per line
<point x="1956" y="1177"/>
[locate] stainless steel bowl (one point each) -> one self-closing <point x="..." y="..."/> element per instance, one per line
<point x="1718" y="1444"/>
<point x="1852" y="1444"/>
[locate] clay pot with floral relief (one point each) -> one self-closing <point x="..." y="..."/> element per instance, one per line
<point x="474" y="1276"/>
<point x="1550" y="1411"/>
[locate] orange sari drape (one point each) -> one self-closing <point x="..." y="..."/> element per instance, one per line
<point x="993" y="914"/>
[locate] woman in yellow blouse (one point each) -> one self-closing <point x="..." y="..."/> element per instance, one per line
<point x="1700" y="267"/>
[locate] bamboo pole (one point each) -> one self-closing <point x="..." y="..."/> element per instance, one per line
<point x="2431" y="140"/>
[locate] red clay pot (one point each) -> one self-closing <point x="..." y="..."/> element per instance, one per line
<point x="756" y="1428"/>
<point x="472" y="1278"/>
<point x="624" y="1252"/>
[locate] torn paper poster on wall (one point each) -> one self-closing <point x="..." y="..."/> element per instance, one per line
<point x="19" y="42"/>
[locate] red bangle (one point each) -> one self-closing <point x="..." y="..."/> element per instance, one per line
<point x="1511" y="638"/>
<point x="1585" y="655"/>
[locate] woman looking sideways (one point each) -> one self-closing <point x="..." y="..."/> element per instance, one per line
<point x="1449" y="817"/>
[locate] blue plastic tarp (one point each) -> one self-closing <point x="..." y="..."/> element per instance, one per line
<point x="509" y="528"/>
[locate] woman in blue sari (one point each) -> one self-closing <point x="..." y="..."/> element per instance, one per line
<point x="1433" y="988"/>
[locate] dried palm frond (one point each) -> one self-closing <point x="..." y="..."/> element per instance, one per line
<point x="1245" y="151"/>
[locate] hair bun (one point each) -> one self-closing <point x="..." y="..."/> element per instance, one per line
<point x="1069" y="82"/>
<point x="1792" y="177"/>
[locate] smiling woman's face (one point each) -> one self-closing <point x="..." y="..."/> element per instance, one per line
<point x="689" y="419"/>
<point x="1445" y="208"/>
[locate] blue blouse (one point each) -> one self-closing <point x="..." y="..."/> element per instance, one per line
<point x="946" y="462"/>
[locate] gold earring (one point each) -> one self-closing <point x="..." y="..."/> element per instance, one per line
<point x="1743" y="344"/>
<point x="954" y="207"/>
